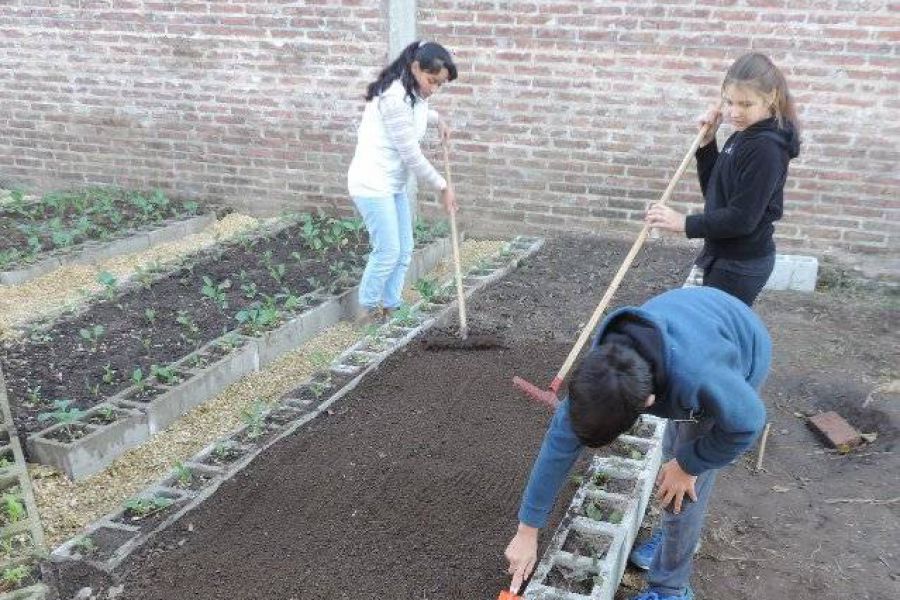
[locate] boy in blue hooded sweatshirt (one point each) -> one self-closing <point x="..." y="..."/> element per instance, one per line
<point x="743" y="185"/>
<point x="696" y="356"/>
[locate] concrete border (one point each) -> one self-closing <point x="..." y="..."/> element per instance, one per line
<point x="129" y="241"/>
<point x="66" y="556"/>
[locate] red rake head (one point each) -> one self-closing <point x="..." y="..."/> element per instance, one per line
<point x="546" y="397"/>
<point x="508" y="595"/>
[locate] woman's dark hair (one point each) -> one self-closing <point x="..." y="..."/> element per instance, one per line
<point x="431" y="58"/>
<point x="607" y="393"/>
<point x="758" y="72"/>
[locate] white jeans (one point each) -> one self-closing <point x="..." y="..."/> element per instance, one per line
<point x="389" y="224"/>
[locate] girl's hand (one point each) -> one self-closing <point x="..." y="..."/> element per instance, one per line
<point x="673" y="484"/>
<point x="444" y="131"/>
<point x="664" y="217"/>
<point x="713" y="117"/>
<point x="449" y="198"/>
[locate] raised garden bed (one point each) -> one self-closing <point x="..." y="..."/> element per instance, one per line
<point x="159" y="396"/>
<point x="423" y="459"/>
<point x="87" y="226"/>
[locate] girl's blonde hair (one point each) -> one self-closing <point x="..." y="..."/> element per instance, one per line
<point x="758" y="72"/>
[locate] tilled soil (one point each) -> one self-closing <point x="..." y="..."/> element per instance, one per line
<point x="157" y="324"/>
<point x="409" y="490"/>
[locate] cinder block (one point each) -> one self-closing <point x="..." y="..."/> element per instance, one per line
<point x="793" y="272"/>
<point x="837" y="432"/>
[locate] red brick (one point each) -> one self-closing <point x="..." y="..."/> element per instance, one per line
<point x="835" y="430"/>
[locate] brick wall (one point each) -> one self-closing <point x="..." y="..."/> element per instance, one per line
<point x="570" y="114"/>
<point x="253" y="102"/>
<point x="573" y="114"/>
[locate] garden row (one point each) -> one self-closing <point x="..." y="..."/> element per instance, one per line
<point x="94" y="557"/>
<point x="145" y="355"/>
<point x="423" y="460"/>
<point x="86" y="226"/>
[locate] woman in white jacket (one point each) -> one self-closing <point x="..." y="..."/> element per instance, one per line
<point x="387" y="149"/>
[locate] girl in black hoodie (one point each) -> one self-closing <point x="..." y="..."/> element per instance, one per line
<point x="743" y="184"/>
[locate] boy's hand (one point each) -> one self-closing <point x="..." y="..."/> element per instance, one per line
<point x="522" y="555"/>
<point x="673" y="484"/>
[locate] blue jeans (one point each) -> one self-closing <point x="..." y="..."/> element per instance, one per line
<point x="670" y="571"/>
<point x="389" y="224"/>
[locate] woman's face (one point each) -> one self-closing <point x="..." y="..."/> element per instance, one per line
<point x="744" y="106"/>
<point x="428" y="83"/>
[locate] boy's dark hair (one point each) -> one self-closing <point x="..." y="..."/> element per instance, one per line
<point x="607" y="393"/>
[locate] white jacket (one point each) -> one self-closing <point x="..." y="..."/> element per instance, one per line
<point x="387" y="146"/>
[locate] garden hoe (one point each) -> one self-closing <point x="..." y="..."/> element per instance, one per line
<point x="549" y="396"/>
<point x="464" y="341"/>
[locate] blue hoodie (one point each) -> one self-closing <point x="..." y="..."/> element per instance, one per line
<point x="716" y="355"/>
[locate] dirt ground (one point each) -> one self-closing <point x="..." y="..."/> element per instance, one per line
<point x="409" y="490"/>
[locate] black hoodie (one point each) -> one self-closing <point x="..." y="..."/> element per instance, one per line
<point x="743" y="187"/>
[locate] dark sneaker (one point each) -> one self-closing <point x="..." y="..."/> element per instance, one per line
<point x="688" y="594"/>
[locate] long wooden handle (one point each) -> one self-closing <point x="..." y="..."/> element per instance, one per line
<point x="589" y="328"/>
<point x="460" y="296"/>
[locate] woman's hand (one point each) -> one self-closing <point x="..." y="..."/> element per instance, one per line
<point x="664" y="217"/>
<point x="713" y="117"/>
<point x="448" y="196"/>
<point x="444" y="131"/>
<point x="673" y="484"/>
<point x="522" y="555"/>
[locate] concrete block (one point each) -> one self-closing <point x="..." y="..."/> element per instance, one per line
<point x="836" y="431"/>
<point x="793" y="272"/>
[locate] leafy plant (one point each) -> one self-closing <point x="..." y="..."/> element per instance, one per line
<point x="144" y="507"/>
<point x="277" y="273"/>
<point x="257" y="319"/>
<point x="33" y="394"/>
<point x="405" y="316"/>
<point x="216" y="291"/>
<point x="427" y="287"/>
<point x="109" y="374"/>
<point x="138" y="379"/>
<point x="109" y="283"/>
<point x="85" y="545"/>
<point x="13" y="577"/>
<point x="183" y="474"/>
<point x="63" y="414"/>
<point x="188" y="326"/>
<point x="13" y="508"/>
<point x="150" y="315"/>
<point x="164" y="375"/>
<point x="253" y="416"/>
<point x="92" y="335"/>
<point x="249" y="290"/>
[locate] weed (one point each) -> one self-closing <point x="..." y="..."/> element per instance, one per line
<point x="183" y="474"/>
<point x="427" y="287"/>
<point x="13" y="577"/>
<point x="405" y="316"/>
<point x="13" y="508"/>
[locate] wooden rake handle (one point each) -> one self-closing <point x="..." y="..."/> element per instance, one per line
<point x="457" y="269"/>
<point x="614" y="285"/>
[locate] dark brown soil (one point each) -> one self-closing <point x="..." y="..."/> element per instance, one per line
<point x="410" y="488"/>
<point x="62" y="365"/>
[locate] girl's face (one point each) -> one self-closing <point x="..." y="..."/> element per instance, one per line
<point x="744" y="106"/>
<point x="428" y="83"/>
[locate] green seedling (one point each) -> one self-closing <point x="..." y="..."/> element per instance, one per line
<point x="109" y="374"/>
<point x="150" y="315"/>
<point x="13" y="508"/>
<point x="216" y="291"/>
<point x="222" y="451"/>
<point x="277" y="273"/>
<point x="33" y="394"/>
<point x="249" y="290"/>
<point x="138" y="379"/>
<point x="109" y="283"/>
<point x="318" y="388"/>
<point x="187" y="323"/>
<point x="405" y="316"/>
<point x="92" y="335"/>
<point x="257" y="319"/>
<point x="164" y="375"/>
<point x="85" y="545"/>
<point x="427" y="288"/>
<point x="92" y="388"/>
<point x="63" y="414"/>
<point x="252" y="416"/>
<point x="141" y="508"/>
<point x="13" y="577"/>
<point x="183" y="474"/>
<point x="146" y="342"/>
